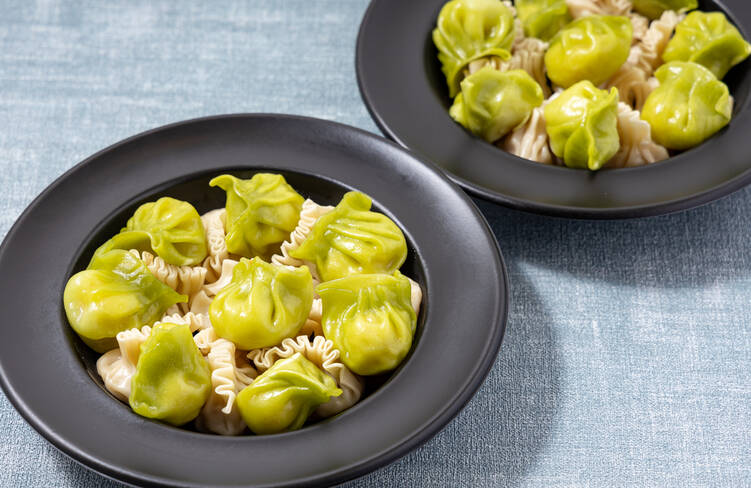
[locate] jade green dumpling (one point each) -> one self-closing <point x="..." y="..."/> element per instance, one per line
<point x="493" y="103"/>
<point x="352" y="239"/>
<point x="261" y="213"/>
<point x="283" y="397"/>
<point x="172" y="379"/>
<point x="689" y="106"/>
<point x="582" y="123"/>
<point x="654" y="8"/>
<point x="263" y="304"/>
<point x="169" y="228"/>
<point x="709" y="39"/>
<point x="117" y="292"/>
<point x="542" y="18"/>
<point x="590" y="48"/>
<point x="370" y="319"/>
<point x="471" y="29"/>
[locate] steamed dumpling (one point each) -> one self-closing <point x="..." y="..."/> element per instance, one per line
<point x="263" y="304"/>
<point x="542" y="18"/>
<point x="261" y="212"/>
<point x="172" y="379"/>
<point x="654" y="8"/>
<point x="352" y="239"/>
<point x="283" y="397"/>
<point x="582" y="123"/>
<point x="370" y="319"/>
<point x="116" y="293"/>
<point x="590" y="48"/>
<point x="493" y="103"/>
<point x="707" y="38"/>
<point x="689" y="106"/>
<point x="169" y="228"/>
<point x="470" y="29"/>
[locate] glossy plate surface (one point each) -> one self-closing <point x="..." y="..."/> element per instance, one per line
<point x="50" y="376"/>
<point x="402" y="85"/>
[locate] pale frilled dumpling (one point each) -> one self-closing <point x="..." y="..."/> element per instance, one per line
<point x="590" y="48"/>
<point x="493" y="103"/>
<point x="172" y="381"/>
<point x="116" y="293"/>
<point x="352" y="239"/>
<point x="323" y="354"/>
<point x="689" y="106"/>
<point x="213" y="225"/>
<point x="471" y="29"/>
<point x="582" y="125"/>
<point x="655" y="8"/>
<point x="261" y="212"/>
<point x="370" y="319"/>
<point x="637" y="147"/>
<point x="709" y="39"/>
<point x="530" y="141"/>
<point x="308" y="216"/>
<point x="169" y="228"/>
<point x="542" y="18"/>
<point x="647" y="55"/>
<point x="283" y="397"/>
<point x="117" y="367"/>
<point x="585" y="8"/>
<point x="263" y="304"/>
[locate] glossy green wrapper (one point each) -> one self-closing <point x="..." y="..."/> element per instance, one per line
<point x="352" y="239"/>
<point x="688" y="107"/>
<point x="172" y="379"/>
<point x="169" y="228"/>
<point x="709" y="39"/>
<point x="283" y="397"/>
<point x="590" y="48"/>
<point x="582" y="123"/>
<point x="263" y="304"/>
<point x="470" y="29"/>
<point x="261" y="213"/>
<point x="653" y="9"/>
<point x="493" y="103"/>
<point x="542" y="18"/>
<point x="116" y="293"/>
<point x="370" y="319"/>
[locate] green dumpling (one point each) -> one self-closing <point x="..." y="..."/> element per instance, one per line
<point x="352" y="239"/>
<point x="708" y="39"/>
<point x="590" y="48"/>
<point x="493" y="103"/>
<point x="470" y="29"/>
<point x="263" y="304"/>
<point x="654" y="8"/>
<point x="169" y="228"/>
<point x="283" y="397"/>
<point x="261" y="213"/>
<point x="542" y="18"/>
<point x="116" y="293"/>
<point x="172" y="379"/>
<point x="582" y="123"/>
<point x="370" y="319"/>
<point x="689" y="106"/>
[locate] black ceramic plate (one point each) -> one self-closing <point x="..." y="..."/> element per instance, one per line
<point x="402" y="85"/>
<point x="50" y="376"/>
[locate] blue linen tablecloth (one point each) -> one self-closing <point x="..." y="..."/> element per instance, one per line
<point x="627" y="357"/>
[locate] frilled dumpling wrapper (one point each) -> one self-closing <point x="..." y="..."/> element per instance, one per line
<point x="263" y="304"/>
<point x="654" y="8"/>
<point x="590" y="48"/>
<point x="689" y="106"/>
<point x="283" y="397"/>
<point x="352" y="239"/>
<point x="172" y="380"/>
<point x="261" y="212"/>
<point x="116" y="293"/>
<point x="169" y="228"/>
<point x="709" y="39"/>
<point x="542" y="18"/>
<point x="470" y="29"/>
<point x="582" y="123"/>
<point x="370" y="319"/>
<point x="493" y="103"/>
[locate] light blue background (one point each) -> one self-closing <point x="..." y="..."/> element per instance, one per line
<point x="627" y="359"/>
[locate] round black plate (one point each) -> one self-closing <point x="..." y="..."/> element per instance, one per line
<point x="402" y="85"/>
<point x="50" y="377"/>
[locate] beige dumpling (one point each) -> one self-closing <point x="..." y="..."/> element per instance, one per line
<point x="637" y="147"/>
<point x="117" y="367"/>
<point x="584" y="8"/>
<point x="214" y="226"/>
